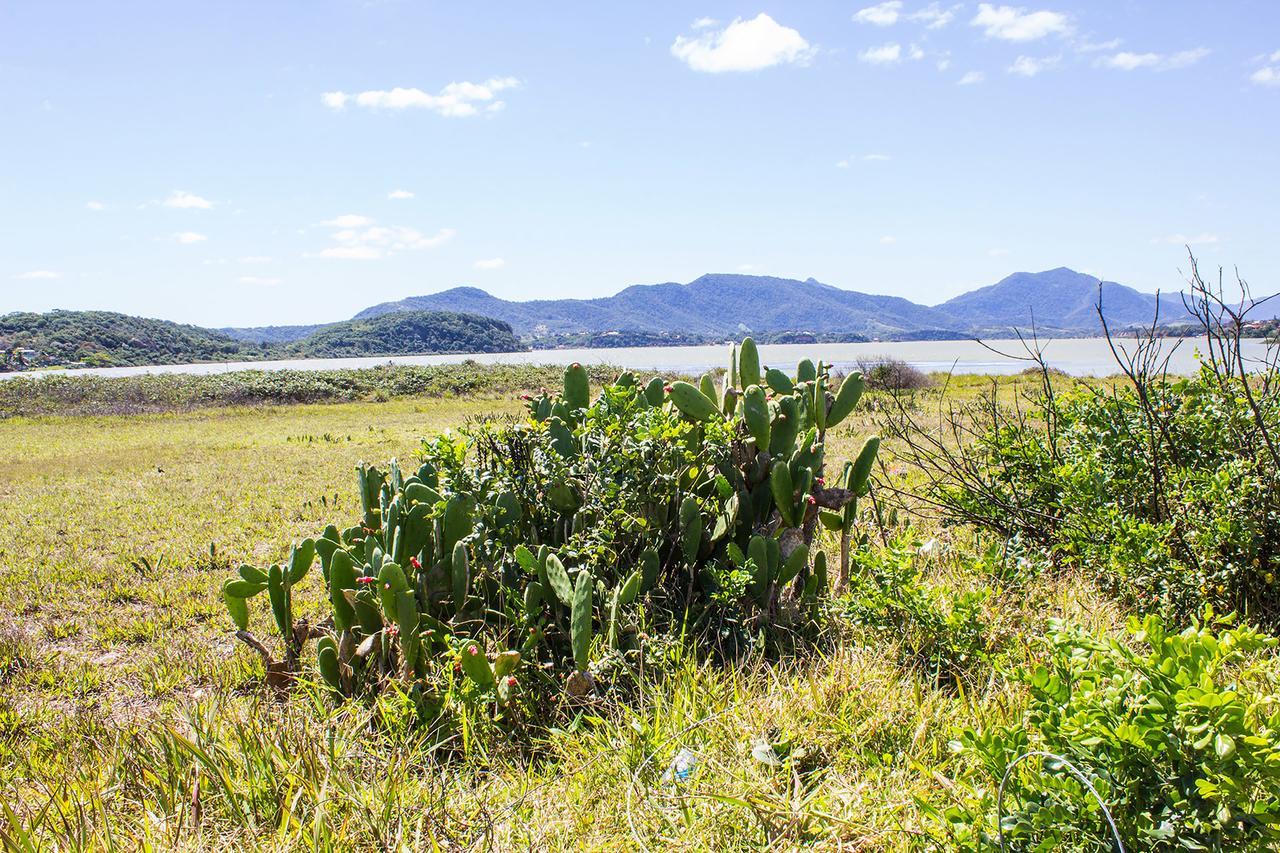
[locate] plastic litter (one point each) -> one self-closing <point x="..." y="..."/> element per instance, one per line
<point x="682" y="766"/>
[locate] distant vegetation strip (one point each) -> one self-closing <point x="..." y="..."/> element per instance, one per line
<point x="101" y="395"/>
<point x="109" y="339"/>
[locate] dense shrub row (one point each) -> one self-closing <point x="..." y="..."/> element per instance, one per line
<point x="99" y="395"/>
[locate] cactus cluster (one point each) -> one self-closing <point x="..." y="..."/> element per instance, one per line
<point x="533" y="552"/>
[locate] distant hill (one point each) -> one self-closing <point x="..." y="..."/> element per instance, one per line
<point x="272" y="334"/>
<point x="105" y="338"/>
<point x="1059" y="300"/>
<point x="407" y="333"/>
<point x="109" y="339"/>
<point x="721" y="305"/>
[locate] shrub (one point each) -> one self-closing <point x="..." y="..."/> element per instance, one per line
<point x="1177" y="732"/>
<point x="940" y="633"/>
<point x="1166" y="489"/>
<point x="891" y="374"/>
<point x="526" y="551"/>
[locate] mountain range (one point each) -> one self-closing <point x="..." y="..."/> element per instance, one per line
<point x="1058" y="301"/>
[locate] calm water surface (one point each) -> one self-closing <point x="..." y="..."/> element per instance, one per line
<point x="1077" y="356"/>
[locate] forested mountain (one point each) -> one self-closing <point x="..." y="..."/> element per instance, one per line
<point x="407" y="333"/>
<point x="1058" y="299"/>
<point x="107" y="339"/>
<point x="101" y="338"/>
<point x="719" y="306"/>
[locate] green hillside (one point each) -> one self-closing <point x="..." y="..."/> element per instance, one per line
<point x="409" y="332"/>
<point x="109" y="339"/>
<point x="106" y="338"/>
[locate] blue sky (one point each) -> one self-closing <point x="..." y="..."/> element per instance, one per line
<point x="249" y="163"/>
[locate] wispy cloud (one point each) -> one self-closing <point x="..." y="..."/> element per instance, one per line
<point x="187" y="201"/>
<point x="933" y="16"/>
<point x="255" y="259"/>
<point x="703" y="23"/>
<point x="888" y="239"/>
<point x="876" y="158"/>
<point x="95" y="205"/>
<point x="1011" y="23"/>
<point x="743" y="46"/>
<point x="886" y="54"/>
<point x="1269" y="73"/>
<point x="490" y="264"/>
<point x="262" y="281"/>
<point x="997" y="252"/>
<point x="399" y="194"/>
<point x="37" y="275"/>
<point x="1030" y="66"/>
<point x="971" y="77"/>
<point x="361" y="238"/>
<point x="1127" y="61"/>
<point x="881" y="15"/>
<point x="189" y="237"/>
<point x="1266" y="76"/>
<point x="1098" y="46"/>
<point x="456" y="100"/>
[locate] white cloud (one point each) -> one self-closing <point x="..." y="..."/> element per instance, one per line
<point x="189" y="237"/>
<point x="348" y="220"/>
<point x="95" y="205"/>
<point x="1098" y="46"/>
<point x="915" y="52"/>
<point x="490" y="264"/>
<point x="187" y="201"/>
<point x="743" y="46"/>
<point x="875" y="157"/>
<point x="1128" y="61"/>
<point x="1030" y="66"/>
<point x="255" y="259"/>
<point x="933" y="16"/>
<point x="456" y="100"/>
<point x="997" y="253"/>
<point x="887" y="54"/>
<point x="971" y="77"/>
<point x="1012" y="23"/>
<point x="881" y="15"/>
<point x="1201" y="239"/>
<point x="360" y="238"/>
<point x="37" y="275"/>
<point x="842" y="164"/>
<point x="746" y="267"/>
<point x="888" y="239"/>
<point x="399" y="194"/>
<point x="703" y="23"/>
<point x="259" y="280"/>
<point x="1266" y="76"/>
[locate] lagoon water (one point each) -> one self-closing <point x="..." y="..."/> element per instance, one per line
<point x="1077" y="356"/>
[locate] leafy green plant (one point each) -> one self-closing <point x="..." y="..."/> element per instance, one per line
<point x="521" y="552"/>
<point x="1178" y="732"/>
<point x="939" y="632"/>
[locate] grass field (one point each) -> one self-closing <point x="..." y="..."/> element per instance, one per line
<point x="130" y="717"/>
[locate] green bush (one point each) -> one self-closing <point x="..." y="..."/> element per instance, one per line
<point x="526" y="561"/>
<point x="940" y="633"/>
<point x="1179" y="733"/>
<point x="1167" y="492"/>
